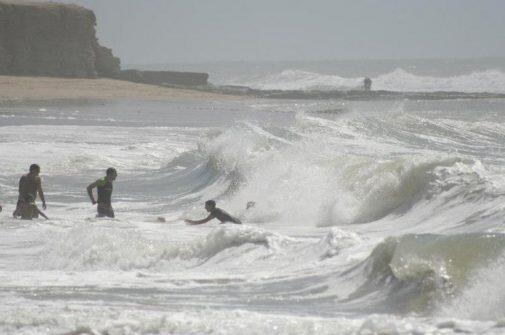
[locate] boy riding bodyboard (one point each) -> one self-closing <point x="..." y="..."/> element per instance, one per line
<point x="214" y="213"/>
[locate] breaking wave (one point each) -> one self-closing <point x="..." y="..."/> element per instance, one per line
<point x="490" y="81"/>
<point x="423" y="273"/>
<point x="89" y="248"/>
<point x="328" y="185"/>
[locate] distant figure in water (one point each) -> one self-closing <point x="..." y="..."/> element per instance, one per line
<point x="367" y="84"/>
<point x="29" y="185"/>
<point x="215" y="213"/>
<point x="104" y="191"/>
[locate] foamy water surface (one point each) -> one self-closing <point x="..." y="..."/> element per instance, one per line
<point x="369" y="217"/>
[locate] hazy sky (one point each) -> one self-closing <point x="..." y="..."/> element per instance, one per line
<point x="163" y="31"/>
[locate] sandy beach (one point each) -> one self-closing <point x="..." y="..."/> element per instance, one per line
<point x="29" y="89"/>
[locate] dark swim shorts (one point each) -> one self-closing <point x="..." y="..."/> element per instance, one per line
<point x="105" y="210"/>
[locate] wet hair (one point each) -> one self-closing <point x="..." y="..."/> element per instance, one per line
<point x="34" y="167"/>
<point x="111" y="171"/>
<point x="211" y="203"/>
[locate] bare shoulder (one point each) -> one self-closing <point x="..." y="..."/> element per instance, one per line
<point x="38" y="180"/>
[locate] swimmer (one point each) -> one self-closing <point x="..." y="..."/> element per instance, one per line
<point x="215" y="213"/>
<point x="104" y="190"/>
<point x="29" y="185"/>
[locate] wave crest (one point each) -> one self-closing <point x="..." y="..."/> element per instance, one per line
<point x="490" y="81"/>
<point x="420" y="272"/>
<point x="98" y="248"/>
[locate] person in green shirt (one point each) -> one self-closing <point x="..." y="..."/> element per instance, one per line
<point x="104" y="192"/>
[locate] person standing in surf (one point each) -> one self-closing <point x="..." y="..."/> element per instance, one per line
<point x="215" y="213"/>
<point x="104" y="191"/>
<point x="367" y="84"/>
<point x="29" y="185"/>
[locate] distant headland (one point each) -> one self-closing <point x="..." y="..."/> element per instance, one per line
<point x="48" y="39"/>
<point x="59" y="40"/>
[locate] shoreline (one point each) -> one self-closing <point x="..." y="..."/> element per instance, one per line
<point x="20" y="90"/>
<point x="16" y="90"/>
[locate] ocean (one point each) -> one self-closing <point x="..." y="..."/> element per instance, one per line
<point x="369" y="217"/>
<point x="421" y="75"/>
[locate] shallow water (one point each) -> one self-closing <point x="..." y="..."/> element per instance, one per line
<point x="369" y="217"/>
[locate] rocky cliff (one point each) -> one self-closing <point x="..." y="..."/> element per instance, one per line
<point x="164" y="77"/>
<point x="50" y="39"/>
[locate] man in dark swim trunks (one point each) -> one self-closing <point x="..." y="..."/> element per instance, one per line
<point x="29" y="185"/>
<point x="30" y="209"/>
<point x="215" y="213"/>
<point x="104" y="191"/>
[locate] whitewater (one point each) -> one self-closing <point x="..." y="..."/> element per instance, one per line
<point x="486" y="75"/>
<point x="489" y="81"/>
<point x="370" y="217"/>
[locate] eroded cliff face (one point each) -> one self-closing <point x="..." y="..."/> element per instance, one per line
<point x="50" y="39"/>
<point x="171" y="78"/>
